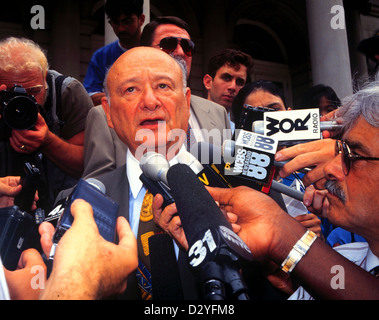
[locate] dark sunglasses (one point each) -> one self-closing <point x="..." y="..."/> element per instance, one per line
<point x="348" y="157"/>
<point x="169" y="45"/>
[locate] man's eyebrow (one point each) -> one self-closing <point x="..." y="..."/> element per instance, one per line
<point x="122" y="84"/>
<point x="225" y="74"/>
<point x="358" y="146"/>
<point x="272" y="105"/>
<point x="134" y="80"/>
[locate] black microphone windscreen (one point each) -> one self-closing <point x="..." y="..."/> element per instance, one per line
<point x="196" y="207"/>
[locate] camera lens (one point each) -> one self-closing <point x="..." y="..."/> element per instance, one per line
<point x="20" y="113"/>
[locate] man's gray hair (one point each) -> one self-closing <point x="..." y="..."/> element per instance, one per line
<point x="19" y="55"/>
<point x="365" y="103"/>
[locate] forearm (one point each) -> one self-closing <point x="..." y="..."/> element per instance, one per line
<point x="66" y="155"/>
<point x="72" y="285"/>
<point x="321" y="267"/>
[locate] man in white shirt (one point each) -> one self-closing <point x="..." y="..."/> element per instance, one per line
<point x="148" y="103"/>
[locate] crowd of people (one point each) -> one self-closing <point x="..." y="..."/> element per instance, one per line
<point x="134" y="100"/>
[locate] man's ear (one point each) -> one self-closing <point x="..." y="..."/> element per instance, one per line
<point x="107" y="110"/>
<point x="207" y="81"/>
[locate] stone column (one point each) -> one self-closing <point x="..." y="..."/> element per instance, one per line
<point x="329" y="46"/>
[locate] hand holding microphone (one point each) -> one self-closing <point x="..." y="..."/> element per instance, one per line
<point x="312" y="154"/>
<point x="214" y="249"/>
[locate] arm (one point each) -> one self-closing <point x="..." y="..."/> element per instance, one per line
<point x="270" y="233"/>
<point x="85" y="265"/>
<point x="20" y="282"/>
<point x="68" y="155"/>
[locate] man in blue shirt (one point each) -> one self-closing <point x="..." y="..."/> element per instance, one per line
<point x="126" y="19"/>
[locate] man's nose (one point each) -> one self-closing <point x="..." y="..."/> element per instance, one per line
<point x="333" y="170"/>
<point x="150" y="100"/>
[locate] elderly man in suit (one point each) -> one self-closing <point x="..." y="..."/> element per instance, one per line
<point x="104" y="151"/>
<point x="148" y="104"/>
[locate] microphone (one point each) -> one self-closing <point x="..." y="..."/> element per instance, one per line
<point x="215" y="251"/>
<point x="228" y="155"/>
<point x="251" y="165"/>
<point x="259" y="126"/>
<point x="105" y="211"/>
<point x="154" y="167"/>
<point x="293" y="126"/>
<point x="228" y="151"/>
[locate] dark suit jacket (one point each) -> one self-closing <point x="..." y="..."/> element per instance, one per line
<point x="117" y="187"/>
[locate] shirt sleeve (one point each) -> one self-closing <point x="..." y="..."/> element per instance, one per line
<point x="94" y="79"/>
<point x="75" y="106"/>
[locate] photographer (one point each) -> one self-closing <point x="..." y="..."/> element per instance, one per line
<point x="54" y="143"/>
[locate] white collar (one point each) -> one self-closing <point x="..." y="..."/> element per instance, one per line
<point x="372" y="260"/>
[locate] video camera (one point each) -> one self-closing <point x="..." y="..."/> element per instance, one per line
<point x="18" y="226"/>
<point x="18" y="109"/>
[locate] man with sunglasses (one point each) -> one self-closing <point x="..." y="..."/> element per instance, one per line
<point x="172" y="35"/>
<point x="55" y="143"/>
<point x="346" y="181"/>
<point x="126" y="19"/>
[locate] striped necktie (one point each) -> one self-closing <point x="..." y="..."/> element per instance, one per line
<point x="146" y="229"/>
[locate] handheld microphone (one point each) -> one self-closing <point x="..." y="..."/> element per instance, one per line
<point x="293" y="126"/>
<point x="154" y="167"/>
<point x="228" y="151"/>
<point x="214" y="249"/>
<point x="227" y="154"/>
<point x="105" y="211"/>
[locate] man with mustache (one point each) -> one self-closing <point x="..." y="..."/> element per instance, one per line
<point x="349" y="170"/>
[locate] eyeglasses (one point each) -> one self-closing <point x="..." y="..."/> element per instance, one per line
<point x="35" y="90"/>
<point x="169" y="44"/>
<point x="348" y="157"/>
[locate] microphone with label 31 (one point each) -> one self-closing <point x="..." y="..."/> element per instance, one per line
<point x="156" y="168"/>
<point x="215" y="251"/>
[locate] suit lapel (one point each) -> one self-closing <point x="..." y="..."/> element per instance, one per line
<point x="117" y="186"/>
<point x="202" y="114"/>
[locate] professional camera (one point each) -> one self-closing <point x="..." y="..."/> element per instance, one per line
<point x="249" y="115"/>
<point x="18" y="109"/>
